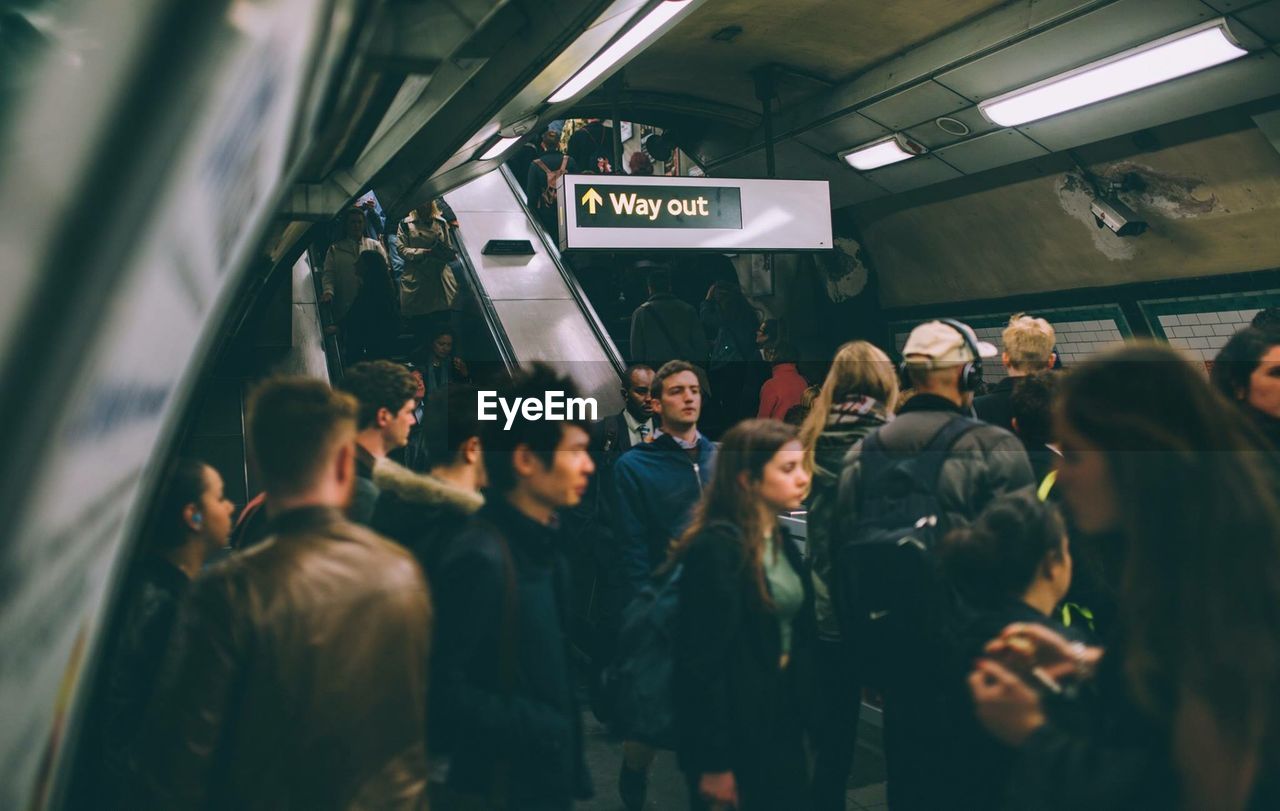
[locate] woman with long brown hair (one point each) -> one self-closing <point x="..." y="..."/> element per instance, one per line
<point x="745" y="623"/>
<point x="857" y="397"/>
<point x="1188" y="711"/>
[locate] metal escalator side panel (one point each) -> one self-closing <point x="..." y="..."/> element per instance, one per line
<point x="542" y="315"/>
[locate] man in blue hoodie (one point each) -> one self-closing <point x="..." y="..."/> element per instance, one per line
<point x="656" y="486"/>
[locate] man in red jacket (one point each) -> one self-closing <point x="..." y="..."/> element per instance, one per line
<point x="786" y="387"/>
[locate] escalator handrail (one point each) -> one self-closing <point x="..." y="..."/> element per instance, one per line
<point x="579" y="296"/>
<point x="490" y="313"/>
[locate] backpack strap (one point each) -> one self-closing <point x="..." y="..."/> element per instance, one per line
<point x="934" y="453"/>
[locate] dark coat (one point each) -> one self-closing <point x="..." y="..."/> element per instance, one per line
<point x="297" y="677"/>
<point x="420" y="511"/>
<point x="971" y="763"/>
<point x="132" y="668"/>
<point x="847" y="424"/>
<point x="502" y="698"/>
<point x="736" y="710"/>
<point x="996" y="407"/>
<point x="983" y="463"/>
<point x="665" y="328"/>
<point x="655" y="488"/>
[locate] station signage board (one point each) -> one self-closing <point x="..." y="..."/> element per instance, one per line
<point x="617" y="212"/>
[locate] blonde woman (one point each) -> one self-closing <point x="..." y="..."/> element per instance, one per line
<point x="858" y="396"/>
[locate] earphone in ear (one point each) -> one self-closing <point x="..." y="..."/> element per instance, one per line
<point x="197" y="518"/>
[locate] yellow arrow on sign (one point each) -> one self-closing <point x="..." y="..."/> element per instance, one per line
<point x="592" y="199"/>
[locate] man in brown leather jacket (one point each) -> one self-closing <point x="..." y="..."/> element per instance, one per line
<point x="297" y="677"/>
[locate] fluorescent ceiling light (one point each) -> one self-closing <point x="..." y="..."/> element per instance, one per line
<point x="498" y="148"/>
<point x="875" y="155"/>
<point x="619" y="50"/>
<point x="1168" y="58"/>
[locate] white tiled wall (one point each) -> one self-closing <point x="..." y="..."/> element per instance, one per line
<point x="1201" y="335"/>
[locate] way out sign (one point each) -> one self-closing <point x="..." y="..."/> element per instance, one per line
<point x="617" y="212"/>
<point x="631" y="206"/>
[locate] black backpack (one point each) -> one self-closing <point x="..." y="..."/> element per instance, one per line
<point x="892" y="600"/>
<point x="637" y="684"/>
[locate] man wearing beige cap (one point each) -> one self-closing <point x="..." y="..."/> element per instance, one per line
<point x="903" y="487"/>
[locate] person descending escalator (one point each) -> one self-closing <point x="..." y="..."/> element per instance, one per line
<point x="338" y="276"/>
<point x="372" y="325"/>
<point x="545" y="172"/>
<point x="591" y="148"/>
<point x="428" y="286"/>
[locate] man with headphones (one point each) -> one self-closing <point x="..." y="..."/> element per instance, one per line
<point x="934" y="466"/>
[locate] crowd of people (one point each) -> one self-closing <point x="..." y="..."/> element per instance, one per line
<point x="1063" y="590"/>
<point x="1064" y="593"/>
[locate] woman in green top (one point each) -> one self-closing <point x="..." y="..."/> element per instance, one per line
<point x="745" y="628"/>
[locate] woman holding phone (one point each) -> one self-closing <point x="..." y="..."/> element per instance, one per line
<point x="1187" y="714"/>
<point x="745" y="628"/>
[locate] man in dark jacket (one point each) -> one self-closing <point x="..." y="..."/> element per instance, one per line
<point x="1028" y="347"/>
<point x="385" y="391"/>
<point x="665" y="328"/>
<point x="503" y="706"/>
<point x="590" y="148"/>
<point x="655" y="488"/>
<point x="943" y="361"/>
<point x="297" y="671"/>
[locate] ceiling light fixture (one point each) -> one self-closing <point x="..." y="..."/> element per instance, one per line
<point x="498" y="148"/>
<point x="884" y="152"/>
<point x="619" y="50"/>
<point x="1171" y="57"/>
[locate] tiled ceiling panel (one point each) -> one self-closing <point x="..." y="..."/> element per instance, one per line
<point x="843" y="133"/>
<point x="912" y="174"/>
<point x="924" y="102"/>
<point x="990" y="150"/>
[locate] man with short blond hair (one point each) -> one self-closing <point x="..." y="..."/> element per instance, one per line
<point x="1028" y="348"/>
<point x="297" y="676"/>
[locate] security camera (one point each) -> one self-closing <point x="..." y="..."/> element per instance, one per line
<point x="1118" y="217"/>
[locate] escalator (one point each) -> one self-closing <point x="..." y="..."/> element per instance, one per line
<point x="532" y="305"/>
